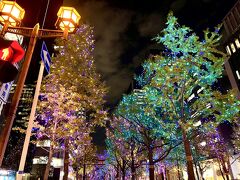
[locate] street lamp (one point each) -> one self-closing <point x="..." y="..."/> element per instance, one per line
<point x="11" y="14"/>
<point x="10" y="17"/>
<point x="68" y="19"/>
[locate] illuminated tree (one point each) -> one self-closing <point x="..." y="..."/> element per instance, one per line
<point x="202" y="161"/>
<point x="124" y="154"/>
<point x="117" y="155"/>
<point x="236" y="137"/>
<point x="176" y="160"/>
<point x="141" y="123"/>
<point x="73" y="94"/>
<point x="83" y="156"/>
<point x="182" y="82"/>
<point x="210" y="145"/>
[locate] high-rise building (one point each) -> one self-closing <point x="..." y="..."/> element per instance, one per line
<point x="231" y="42"/>
<point x="17" y="136"/>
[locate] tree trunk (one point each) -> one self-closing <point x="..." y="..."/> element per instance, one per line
<point x="195" y="165"/>
<point x="77" y="175"/>
<point x="151" y="164"/>
<point x="123" y="174"/>
<point x="133" y="169"/>
<point x="66" y="158"/>
<point x="84" y="171"/>
<point x="229" y="167"/>
<point x="46" y="173"/>
<point x="178" y="170"/>
<point x="201" y="171"/>
<point x="220" y="167"/>
<point x="225" y="169"/>
<point x="123" y="169"/>
<point x="188" y="154"/>
<point x="117" y="175"/>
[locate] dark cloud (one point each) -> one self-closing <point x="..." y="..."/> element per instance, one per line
<point x="124" y="29"/>
<point x="150" y="25"/>
<point x="110" y="24"/>
<point x="178" y="5"/>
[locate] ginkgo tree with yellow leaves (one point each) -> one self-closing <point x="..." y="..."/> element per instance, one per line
<point x="72" y="97"/>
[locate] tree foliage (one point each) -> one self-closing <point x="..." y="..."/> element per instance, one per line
<point x="177" y="94"/>
<point x="72" y="94"/>
<point x="182" y="79"/>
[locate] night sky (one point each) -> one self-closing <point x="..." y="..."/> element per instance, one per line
<point x="124" y="29"/>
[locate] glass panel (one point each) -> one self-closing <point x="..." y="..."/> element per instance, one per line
<point x="71" y="25"/>
<point x="5" y="17"/>
<point x="74" y="17"/>
<point x="71" y="29"/>
<point x="7" y="8"/>
<point x="14" y="24"/>
<point x="66" y="14"/>
<point x="66" y="23"/>
<point x="16" y="12"/>
<point x="11" y="20"/>
<point x="1" y="18"/>
<point x="61" y="25"/>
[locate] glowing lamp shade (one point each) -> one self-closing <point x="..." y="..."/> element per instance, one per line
<point x="68" y="18"/>
<point x="11" y="12"/>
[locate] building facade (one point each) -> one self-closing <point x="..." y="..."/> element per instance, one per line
<point x="17" y="135"/>
<point x="231" y="42"/>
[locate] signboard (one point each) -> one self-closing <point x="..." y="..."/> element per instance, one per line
<point x="5" y="90"/>
<point x="4" y="93"/>
<point x="45" y="57"/>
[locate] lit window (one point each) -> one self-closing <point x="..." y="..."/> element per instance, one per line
<point x="40" y="160"/>
<point x="208" y="105"/>
<point x="57" y="162"/>
<point x="238" y="75"/>
<point x="200" y="90"/>
<point x="44" y="143"/>
<point x="233" y="48"/>
<point x="228" y="50"/>
<point x="191" y="97"/>
<point x="194" y="115"/>
<point x="237" y="43"/>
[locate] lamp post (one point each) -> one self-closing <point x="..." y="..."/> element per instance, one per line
<point x="11" y="15"/>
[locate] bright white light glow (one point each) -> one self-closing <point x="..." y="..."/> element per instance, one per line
<point x="66" y="14"/>
<point x="203" y="143"/>
<point x="237" y="43"/>
<point x="228" y="50"/>
<point x="4" y="172"/>
<point x="238" y="75"/>
<point x="200" y="90"/>
<point x="191" y="97"/>
<point x="197" y="124"/>
<point x="233" y="48"/>
<point x="208" y="105"/>
<point x="15" y="12"/>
